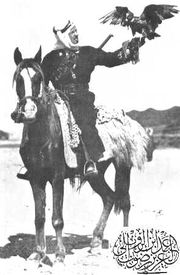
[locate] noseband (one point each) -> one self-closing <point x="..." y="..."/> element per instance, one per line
<point x="16" y="115"/>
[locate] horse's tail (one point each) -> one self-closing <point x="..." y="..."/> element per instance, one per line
<point x="137" y="141"/>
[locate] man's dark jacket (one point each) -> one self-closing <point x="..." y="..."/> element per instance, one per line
<point x="70" y="72"/>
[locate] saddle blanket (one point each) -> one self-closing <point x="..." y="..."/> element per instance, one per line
<point x="123" y="138"/>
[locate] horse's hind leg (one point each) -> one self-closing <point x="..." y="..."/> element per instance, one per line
<point x="100" y="186"/>
<point x="38" y="188"/>
<point x="122" y="198"/>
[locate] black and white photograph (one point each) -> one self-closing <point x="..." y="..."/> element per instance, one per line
<point x="89" y="137"/>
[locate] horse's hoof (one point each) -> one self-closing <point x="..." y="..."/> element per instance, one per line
<point x="33" y="261"/>
<point x="94" y="251"/>
<point x="96" y="242"/>
<point x="60" y="256"/>
<point x="35" y="257"/>
<point x="39" y="259"/>
<point x="96" y="246"/>
<point x="46" y="260"/>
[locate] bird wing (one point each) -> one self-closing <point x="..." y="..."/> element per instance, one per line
<point x="155" y="14"/>
<point x="121" y="15"/>
<point x="146" y="23"/>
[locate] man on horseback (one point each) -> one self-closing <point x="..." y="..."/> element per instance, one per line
<point x="68" y="67"/>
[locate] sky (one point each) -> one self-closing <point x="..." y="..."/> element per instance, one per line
<point x="151" y="83"/>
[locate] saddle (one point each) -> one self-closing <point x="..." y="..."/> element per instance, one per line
<point x="72" y="133"/>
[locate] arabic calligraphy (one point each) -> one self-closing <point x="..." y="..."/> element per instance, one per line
<point x="146" y="250"/>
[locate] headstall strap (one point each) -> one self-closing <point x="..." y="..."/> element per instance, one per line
<point x="28" y="74"/>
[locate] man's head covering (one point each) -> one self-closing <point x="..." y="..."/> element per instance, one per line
<point x="67" y="26"/>
<point x="62" y="36"/>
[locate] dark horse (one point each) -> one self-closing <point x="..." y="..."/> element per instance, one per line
<point x="43" y="142"/>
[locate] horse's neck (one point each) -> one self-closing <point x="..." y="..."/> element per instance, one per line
<point x="47" y="127"/>
<point x="37" y="132"/>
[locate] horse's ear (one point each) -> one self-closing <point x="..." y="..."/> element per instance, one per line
<point x="37" y="57"/>
<point x="17" y="56"/>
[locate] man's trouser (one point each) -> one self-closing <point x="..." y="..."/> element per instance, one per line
<point x="82" y="107"/>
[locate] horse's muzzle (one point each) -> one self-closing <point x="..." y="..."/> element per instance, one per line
<point x="16" y="116"/>
<point x="25" y="113"/>
<point x="30" y="110"/>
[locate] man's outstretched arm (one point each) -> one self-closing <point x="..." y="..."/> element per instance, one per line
<point x="129" y="52"/>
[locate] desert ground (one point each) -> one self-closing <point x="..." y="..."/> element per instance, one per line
<point x="155" y="199"/>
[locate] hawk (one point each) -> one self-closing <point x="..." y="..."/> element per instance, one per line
<point x="145" y="24"/>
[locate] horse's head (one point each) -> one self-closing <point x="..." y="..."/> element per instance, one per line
<point x="29" y="81"/>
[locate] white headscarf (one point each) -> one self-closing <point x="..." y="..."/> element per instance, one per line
<point x="62" y="37"/>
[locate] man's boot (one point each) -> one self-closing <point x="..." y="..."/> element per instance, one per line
<point x="23" y="176"/>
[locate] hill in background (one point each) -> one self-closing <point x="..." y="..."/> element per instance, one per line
<point x="166" y="125"/>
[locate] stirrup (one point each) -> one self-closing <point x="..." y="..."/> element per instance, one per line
<point x="23" y="176"/>
<point x="90" y="168"/>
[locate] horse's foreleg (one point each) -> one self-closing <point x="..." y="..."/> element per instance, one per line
<point x="39" y="255"/>
<point x="99" y="186"/>
<point x="57" y="217"/>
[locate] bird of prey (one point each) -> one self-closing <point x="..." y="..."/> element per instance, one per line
<point x="146" y="23"/>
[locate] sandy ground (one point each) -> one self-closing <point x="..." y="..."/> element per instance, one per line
<point x="155" y="202"/>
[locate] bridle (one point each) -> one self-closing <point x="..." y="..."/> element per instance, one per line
<point x="26" y="64"/>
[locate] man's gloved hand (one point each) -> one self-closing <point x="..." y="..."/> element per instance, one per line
<point x="131" y="49"/>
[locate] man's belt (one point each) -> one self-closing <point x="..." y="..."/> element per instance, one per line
<point x="73" y="88"/>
